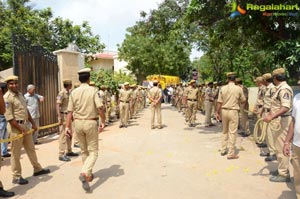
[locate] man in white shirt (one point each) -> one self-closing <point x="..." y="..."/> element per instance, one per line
<point x="294" y="134"/>
<point x="33" y="100"/>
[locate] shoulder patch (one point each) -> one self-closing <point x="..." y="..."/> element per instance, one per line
<point x="286" y="96"/>
<point x="6" y="104"/>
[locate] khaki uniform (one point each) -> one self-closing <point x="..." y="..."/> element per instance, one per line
<point x="179" y="93"/>
<point x="270" y="90"/>
<point x="84" y="103"/>
<point x="186" y="111"/>
<point x="192" y="97"/>
<point x="124" y="97"/>
<point x="282" y="97"/>
<point x="132" y="103"/>
<point x="16" y="109"/>
<point x="64" y="142"/>
<point x="208" y="104"/>
<point x="155" y="93"/>
<point x="108" y="106"/>
<point x="102" y="96"/>
<point x="244" y="122"/>
<point x="260" y="99"/>
<point x="230" y="97"/>
<point x="296" y="164"/>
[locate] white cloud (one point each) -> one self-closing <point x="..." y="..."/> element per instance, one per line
<point x="108" y="18"/>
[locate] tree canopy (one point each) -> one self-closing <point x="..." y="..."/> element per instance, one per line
<point x="158" y="44"/>
<point x="39" y="26"/>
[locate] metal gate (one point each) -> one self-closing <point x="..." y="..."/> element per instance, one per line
<point x="35" y="65"/>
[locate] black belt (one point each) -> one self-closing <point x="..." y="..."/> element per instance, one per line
<point x="123" y="101"/>
<point x="192" y="100"/>
<point x="259" y="106"/>
<point x="285" y="115"/>
<point x="21" y="121"/>
<point x="267" y="110"/>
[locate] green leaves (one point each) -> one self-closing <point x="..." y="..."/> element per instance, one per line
<point x="158" y="43"/>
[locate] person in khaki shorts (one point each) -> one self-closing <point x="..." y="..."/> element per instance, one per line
<point x="292" y="142"/>
<point x="154" y="96"/>
<point x="18" y="117"/>
<point x="280" y="113"/>
<point x="64" y="141"/>
<point x="191" y="98"/>
<point x="84" y="107"/>
<point x="124" y="100"/>
<point x="3" y="193"/>
<point x="229" y="100"/>
<point x="269" y="92"/>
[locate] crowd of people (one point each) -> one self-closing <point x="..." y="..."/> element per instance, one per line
<point x="84" y="112"/>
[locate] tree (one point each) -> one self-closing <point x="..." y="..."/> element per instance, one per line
<point x="157" y="44"/>
<point x="38" y="26"/>
<point x="251" y="44"/>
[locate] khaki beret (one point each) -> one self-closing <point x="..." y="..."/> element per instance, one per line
<point x="230" y="74"/>
<point x="267" y="76"/>
<point x="92" y="83"/>
<point x="155" y="81"/>
<point x="84" y="70"/>
<point x="278" y="71"/>
<point x="126" y="83"/>
<point x="192" y="81"/>
<point x="215" y="82"/>
<point x="67" y="81"/>
<point x="259" y="79"/>
<point x="102" y="86"/>
<point x="298" y="82"/>
<point x="238" y="80"/>
<point x="11" y="78"/>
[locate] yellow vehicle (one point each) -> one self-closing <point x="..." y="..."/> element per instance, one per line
<point x="164" y="80"/>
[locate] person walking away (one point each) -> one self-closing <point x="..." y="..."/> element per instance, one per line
<point x="84" y="107"/>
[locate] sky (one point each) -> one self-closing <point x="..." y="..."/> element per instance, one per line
<point x="108" y="18"/>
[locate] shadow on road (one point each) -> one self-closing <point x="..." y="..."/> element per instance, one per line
<point x="33" y="181"/>
<point x="104" y="174"/>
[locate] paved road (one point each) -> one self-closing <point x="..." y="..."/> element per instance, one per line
<point x="175" y="162"/>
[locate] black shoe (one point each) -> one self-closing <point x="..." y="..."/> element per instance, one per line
<point x="264" y="154"/>
<point x="37" y="143"/>
<point x="84" y="181"/>
<point x="262" y="145"/>
<point x="223" y="153"/>
<point x="41" y="172"/>
<point x="6" y="155"/>
<point x="121" y="126"/>
<point x="244" y="135"/>
<point x="20" y="181"/>
<point x="72" y="154"/>
<point x="64" y="158"/>
<point x="270" y="158"/>
<point x="274" y="173"/>
<point x="76" y="145"/>
<point x="6" y="194"/>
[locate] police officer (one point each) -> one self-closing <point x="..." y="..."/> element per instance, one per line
<point x="229" y="100"/>
<point x="155" y="95"/>
<point x="191" y="97"/>
<point x="208" y="104"/>
<point x="124" y="100"/>
<point x="270" y="90"/>
<point x="108" y="105"/>
<point x="64" y="140"/>
<point x="244" y="122"/>
<point x="18" y="117"/>
<point x="102" y="96"/>
<point x="84" y="106"/>
<point x="3" y="193"/>
<point x="280" y="113"/>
